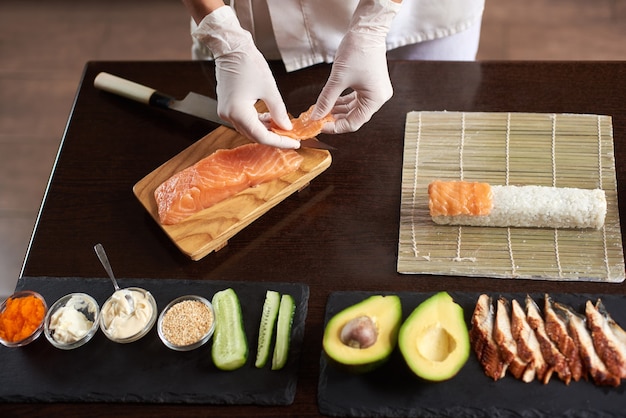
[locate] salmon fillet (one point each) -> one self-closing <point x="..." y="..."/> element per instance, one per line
<point x="222" y="174"/>
<point x="303" y="126"/>
<point x="453" y="198"/>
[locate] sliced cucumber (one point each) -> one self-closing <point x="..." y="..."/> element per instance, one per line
<point x="283" y="331"/>
<point x="230" y="346"/>
<point x="266" y="328"/>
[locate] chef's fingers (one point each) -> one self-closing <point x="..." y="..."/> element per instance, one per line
<point x="329" y="95"/>
<point x="248" y="123"/>
<point x="278" y="111"/>
<point x="344" y="105"/>
<point x="350" y="113"/>
<point x="346" y="99"/>
<point x="356" y="117"/>
<point x="266" y="119"/>
<point x="279" y="141"/>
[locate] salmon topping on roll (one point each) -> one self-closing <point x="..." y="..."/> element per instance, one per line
<point x="452" y="198"/>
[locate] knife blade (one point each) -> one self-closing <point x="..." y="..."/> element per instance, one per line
<point x="194" y="104"/>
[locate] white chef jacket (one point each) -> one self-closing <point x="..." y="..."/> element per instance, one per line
<point x="306" y="32"/>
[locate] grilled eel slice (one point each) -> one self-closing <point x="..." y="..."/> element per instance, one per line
<point x="555" y="359"/>
<point x="556" y="328"/>
<point x="481" y="338"/>
<point x="619" y="332"/>
<point x="606" y="343"/>
<point x="583" y="339"/>
<point x="508" y="347"/>
<point x="527" y="343"/>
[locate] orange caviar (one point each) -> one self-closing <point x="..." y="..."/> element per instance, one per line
<point x="21" y="317"/>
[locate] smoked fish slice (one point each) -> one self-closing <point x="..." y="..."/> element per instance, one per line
<point x="617" y="330"/>
<point x="593" y="364"/>
<point x="481" y="337"/>
<point x="527" y="344"/>
<point x="556" y="328"/>
<point x="608" y="347"/>
<point x="508" y="347"/>
<point x="555" y="359"/>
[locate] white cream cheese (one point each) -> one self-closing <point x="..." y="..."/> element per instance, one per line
<point x="69" y="324"/>
<point x="119" y="321"/>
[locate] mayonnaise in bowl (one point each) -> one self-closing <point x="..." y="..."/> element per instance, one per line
<point x="122" y="324"/>
<point x="72" y="321"/>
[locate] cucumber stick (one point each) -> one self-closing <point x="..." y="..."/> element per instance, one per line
<point x="230" y="346"/>
<point x="266" y="328"/>
<point x="283" y="331"/>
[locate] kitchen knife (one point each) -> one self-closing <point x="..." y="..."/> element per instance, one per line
<point x="193" y="104"/>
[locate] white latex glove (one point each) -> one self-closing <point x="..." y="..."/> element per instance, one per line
<point x="360" y="64"/>
<point x="243" y="77"/>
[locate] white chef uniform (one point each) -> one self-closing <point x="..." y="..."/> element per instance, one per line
<point x="302" y="33"/>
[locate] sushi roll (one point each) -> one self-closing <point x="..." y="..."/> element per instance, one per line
<point x="480" y="204"/>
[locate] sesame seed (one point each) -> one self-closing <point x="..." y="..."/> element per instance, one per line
<point x="186" y="322"/>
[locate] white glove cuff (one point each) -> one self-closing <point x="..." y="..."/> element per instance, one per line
<point x="374" y="16"/>
<point x="221" y="32"/>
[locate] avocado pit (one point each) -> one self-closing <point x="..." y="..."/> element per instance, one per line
<point x="360" y="332"/>
<point x="436" y="343"/>
<point x="371" y="326"/>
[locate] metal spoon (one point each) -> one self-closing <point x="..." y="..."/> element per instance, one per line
<point x="102" y="256"/>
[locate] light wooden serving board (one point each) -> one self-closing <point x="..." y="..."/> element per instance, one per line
<point x="210" y="229"/>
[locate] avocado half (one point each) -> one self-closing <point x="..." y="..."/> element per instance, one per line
<point x="434" y="339"/>
<point x="362" y="336"/>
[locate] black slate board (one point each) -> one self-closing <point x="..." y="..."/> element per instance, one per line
<point x="393" y="391"/>
<point x="147" y="371"/>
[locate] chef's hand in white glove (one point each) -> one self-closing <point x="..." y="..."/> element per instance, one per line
<point x="360" y="65"/>
<point x="243" y="77"/>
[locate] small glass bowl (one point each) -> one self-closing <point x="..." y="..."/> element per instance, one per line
<point x="150" y="304"/>
<point x="80" y="303"/>
<point x="193" y="345"/>
<point x="33" y="335"/>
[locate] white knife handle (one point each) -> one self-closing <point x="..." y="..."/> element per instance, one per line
<point x="125" y="88"/>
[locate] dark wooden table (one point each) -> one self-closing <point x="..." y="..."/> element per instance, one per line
<point x="340" y="233"/>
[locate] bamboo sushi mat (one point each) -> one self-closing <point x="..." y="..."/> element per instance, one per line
<point x="562" y="150"/>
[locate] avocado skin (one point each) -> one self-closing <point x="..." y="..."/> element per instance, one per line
<point x="387" y="311"/>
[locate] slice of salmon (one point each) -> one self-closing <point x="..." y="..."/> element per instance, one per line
<point x="219" y="176"/>
<point x="452" y="198"/>
<point x="303" y="126"/>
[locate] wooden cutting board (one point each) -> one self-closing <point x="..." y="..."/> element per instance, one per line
<point x="210" y="229"/>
